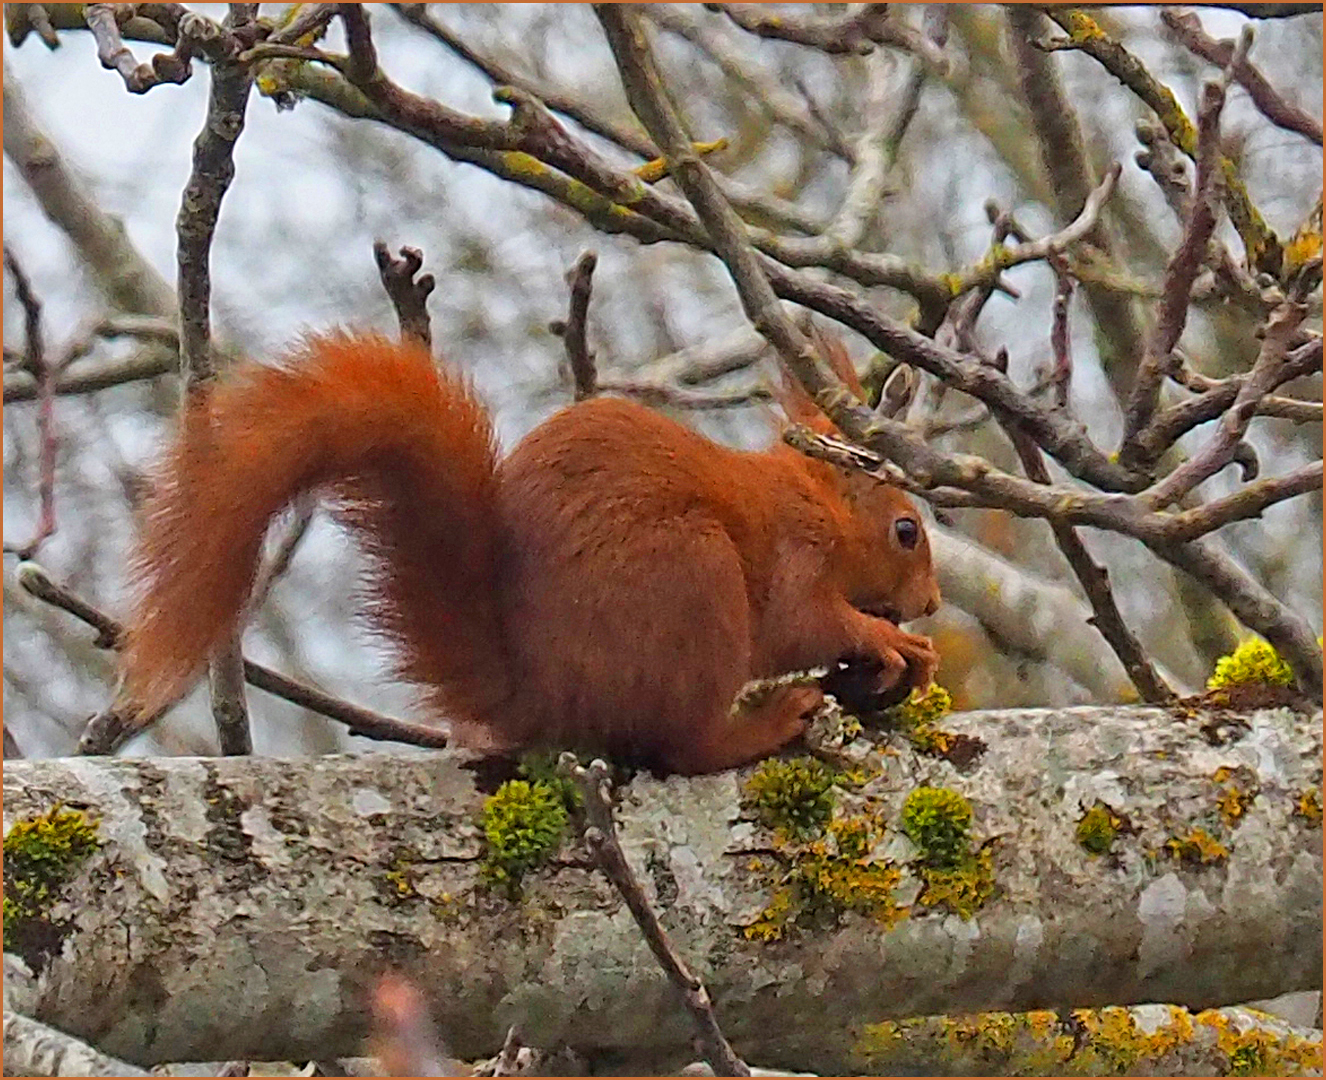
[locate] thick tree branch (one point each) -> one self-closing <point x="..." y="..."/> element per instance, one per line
<point x="304" y="875"/>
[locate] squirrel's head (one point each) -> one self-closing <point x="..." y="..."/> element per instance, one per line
<point x="891" y="574"/>
<point x="889" y="569"/>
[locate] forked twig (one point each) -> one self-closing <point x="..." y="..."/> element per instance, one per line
<point x="601" y="836"/>
<point x="408" y="293"/>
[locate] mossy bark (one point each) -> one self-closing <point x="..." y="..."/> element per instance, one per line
<point x="238" y="906"/>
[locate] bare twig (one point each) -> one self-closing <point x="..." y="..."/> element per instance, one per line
<point x="1252" y="604"/>
<point x="1172" y="422"/>
<point x="766" y="93"/>
<point x="506" y="1062"/>
<point x="574" y="331"/>
<point x="1061" y="371"/>
<point x="1172" y="313"/>
<point x="1282" y="408"/>
<point x="1187" y="29"/>
<point x="171" y="67"/>
<point x="745" y="197"/>
<point x="869" y="176"/>
<point x="1086" y="35"/>
<point x="276" y="565"/>
<point x="1219" y="452"/>
<point x="1247" y="502"/>
<point x="855" y="32"/>
<point x="409" y="295"/>
<point x="149" y="363"/>
<point x="44" y="372"/>
<point x="661" y="395"/>
<point x="1004" y="257"/>
<point x="601" y="836"/>
<point x="36" y="581"/>
<point x="1096" y="584"/>
<point x="213" y="169"/>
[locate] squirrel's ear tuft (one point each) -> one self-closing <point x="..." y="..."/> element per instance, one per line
<point x="792" y="396"/>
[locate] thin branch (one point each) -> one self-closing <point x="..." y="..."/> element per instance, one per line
<point x="1175" y="420"/>
<point x="1253" y="605"/>
<point x="1187" y="29"/>
<point x="171" y="67"/>
<point x="36" y="581"/>
<point x="601" y="837"/>
<point x="1266" y="373"/>
<point x="867" y="181"/>
<point x="1086" y="35"/>
<point x="749" y="200"/>
<point x="149" y="363"/>
<point x="1184" y="265"/>
<point x="1004" y="257"/>
<point x="1095" y="583"/>
<point x="755" y="83"/>
<point x="855" y="32"/>
<point x="408" y="294"/>
<point x="278" y="563"/>
<point x="1281" y="408"/>
<point x="1061" y="371"/>
<point x="44" y="372"/>
<point x="661" y="395"/>
<point x="574" y="332"/>
<point x="195" y="226"/>
<point x="1247" y="502"/>
<point x="1058" y="130"/>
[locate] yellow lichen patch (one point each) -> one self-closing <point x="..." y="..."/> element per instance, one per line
<point x="1233" y="804"/>
<point x="1308" y="805"/>
<point x="1090" y="1042"/>
<point x="938" y="821"/>
<point x="1261" y="1051"/>
<point x="651" y="172"/>
<point x="1196" y="847"/>
<point x="772" y="923"/>
<point x="925" y="707"/>
<point x="794" y="798"/>
<point x="523" y="822"/>
<point x="828" y="876"/>
<point x="1097" y="829"/>
<point x="41" y="856"/>
<point x="962" y="888"/>
<point x="1254" y="662"/>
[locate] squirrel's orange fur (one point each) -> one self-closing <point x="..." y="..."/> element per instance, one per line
<point x="609" y="586"/>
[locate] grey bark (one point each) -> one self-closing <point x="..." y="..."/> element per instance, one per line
<point x="34" y="1049"/>
<point x="239" y="906"/>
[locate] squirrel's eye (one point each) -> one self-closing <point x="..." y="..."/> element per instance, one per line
<point x="907" y="531"/>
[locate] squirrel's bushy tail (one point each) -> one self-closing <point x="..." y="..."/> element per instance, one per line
<point x="410" y="455"/>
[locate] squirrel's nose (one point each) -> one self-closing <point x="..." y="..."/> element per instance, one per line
<point x="933" y="605"/>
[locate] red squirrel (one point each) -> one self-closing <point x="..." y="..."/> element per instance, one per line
<point x="609" y="586"/>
